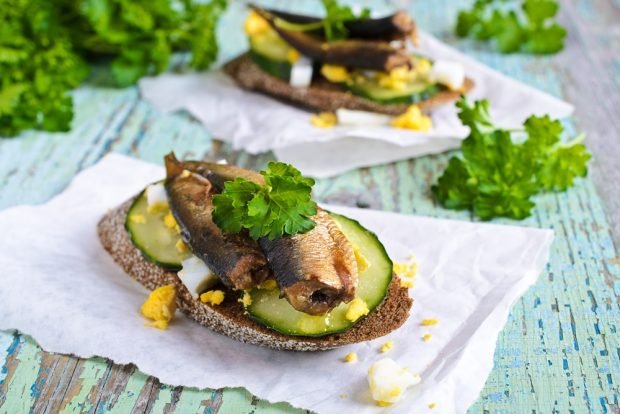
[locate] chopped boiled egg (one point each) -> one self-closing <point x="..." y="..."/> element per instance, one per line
<point x="448" y="73"/>
<point x="138" y="218"/>
<point x="388" y="381"/>
<point x="214" y="297"/>
<point x="255" y="25"/>
<point x="160" y="306"/>
<point x="156" y="198"/>
<point x="387" y="346"/>
<point x="427" y="337"/>
<point x="335" y="73"/>
<point x="292" y="55"/>
<point x="361" y="118"/>
<point x="362" y="263"/>
<point x="301" y="73"/>
<point x="357" y="308"/>
<point x="170" y="221"/>
<point x="181" y="246"/>
<point x="324" y="120"/>
<point x="429" y="322"/>
<point x="269" y="284"/>
<point x="350" y="357"/>
<point x="432" y="405"/>
<point x="396" y="79"/>
<point x="196" y="276"/>
<point x="246" y="299"/>
<point x="413" y="119"/>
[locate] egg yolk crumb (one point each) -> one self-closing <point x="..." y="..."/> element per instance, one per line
<point x="292" y="55"/>
<point x="343" y="395"/>
<point x="429" y="322"/>
<point x="432" y="405"/>
<point x="181" y="246"/>
<point x="254" y="24"/>
<point x="246" y="299"/>
<point x="160" y="306"/>
<point x="157" y="207"/>
<point x="269" y="284"/>
<point x="357" y="309"/>
<point x="169" y="220"/>
<point x="324" y="120"/>
<point x="335" y="73"/>
<point x="138" y="218"/>
<point x="350" y="357"/>
<point x="387" y="346"/>
<point x="413" y="119"/>
<point x="406" y="271"/>
<point x="426" y="337"/>
<point x="214" y="297"/>
<point x="362" y="263"/>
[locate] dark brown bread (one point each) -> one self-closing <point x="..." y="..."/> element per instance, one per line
<point x="228" y="318"/>
<point x="323" y="96"/>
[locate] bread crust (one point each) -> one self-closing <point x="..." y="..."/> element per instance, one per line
<point x="228" y="318"/>
<point x="324" y="96"/>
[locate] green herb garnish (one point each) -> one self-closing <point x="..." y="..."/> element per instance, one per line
<point x="282" y="206"/>
<point x="530" y="30"/>
<point x="43" y="46"/>
<point x="500" y="169"/>
<point x="335" y="17"/>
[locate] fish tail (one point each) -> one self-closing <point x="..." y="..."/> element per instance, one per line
<point x="174" y="167"/>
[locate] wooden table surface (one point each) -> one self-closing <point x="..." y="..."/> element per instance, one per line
<point x="559" y="351"/>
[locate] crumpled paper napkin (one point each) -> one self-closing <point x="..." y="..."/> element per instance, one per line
<point x="257" y="123"/>
<point x="62" y="288"/>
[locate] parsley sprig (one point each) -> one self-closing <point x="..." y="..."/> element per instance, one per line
<point x="44" y="46"/>
<point x="282" y="206"/>
<point x="531" y="29"/>
<point x="500" y="170"/>
<point x="335" y="17"/>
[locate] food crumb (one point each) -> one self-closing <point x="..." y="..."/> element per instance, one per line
<point x="138" y="218"/>
<point x="387" y="346"/>
<point x="406" y="271"/>
<point x="343" y="395"/>
<point x="246" y="299"/>
<point x="169" y="220"/>
<point x="432" y="405"/>
<point x="324" y="120"/>
<point x="426" y="337"/>
<point x="413" y="119"/>
<point x="357" y="308"/>
<point x="214" y="297"/>
<point x="160" y="306"/>
<point x="269" y="284"/>
<point x="181" y="246"/>
<point x="429" y="322"/>
<point x="350" y="357"/>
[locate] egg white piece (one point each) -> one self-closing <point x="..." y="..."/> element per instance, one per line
<point x="448" y="73"/>
<point x="301" y="73"/>
<point x="196" y="276"/>
<point x="388" y="381"/>
<point x="361" y="118"/>
<point x="156" y="195"/>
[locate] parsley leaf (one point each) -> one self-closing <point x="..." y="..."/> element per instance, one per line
<point x="282" y="206"/>
<point x="500" y="170"/>
<point x="335" y="17"/>
<point x="529" y="28"/>
<point x="44" y="46"/>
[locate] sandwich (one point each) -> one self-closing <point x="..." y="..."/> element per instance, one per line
<point x="251" y="256"/>
<point x="357" y="63"/>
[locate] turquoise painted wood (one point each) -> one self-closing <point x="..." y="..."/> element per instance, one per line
<point x="559" y="351"/>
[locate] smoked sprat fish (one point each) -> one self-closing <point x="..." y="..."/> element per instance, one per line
<point x="236" y="259"/>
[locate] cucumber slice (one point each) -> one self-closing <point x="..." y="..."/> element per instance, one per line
<point x="153" y="238"/>
<point x="270" y="53"/>
<point x="413" y="93"/>
<point x="279" y="69"/>
<point x="276" y="313"/>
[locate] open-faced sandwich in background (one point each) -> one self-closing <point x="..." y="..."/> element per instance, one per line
<point x="251" y="256"/>
<point x="356" y="63"/>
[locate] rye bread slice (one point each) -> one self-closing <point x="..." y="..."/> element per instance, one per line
<point x="323" y="95"/>
<point x="228" y="318"/>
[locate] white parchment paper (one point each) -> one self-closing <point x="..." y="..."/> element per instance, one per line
<point x="61" y="287"/>
<point x="257" y="123"/>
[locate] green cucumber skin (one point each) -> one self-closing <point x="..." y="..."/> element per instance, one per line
<point x="428" y="93"/>
<point x="175" y="267"/>
<point x="279" y="69"/>
<point x="380" y="247"/>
